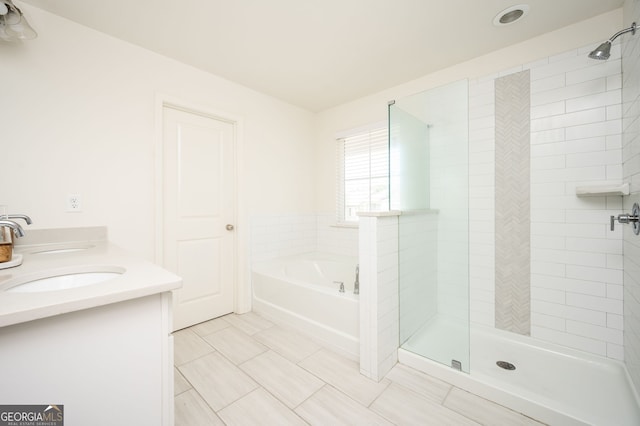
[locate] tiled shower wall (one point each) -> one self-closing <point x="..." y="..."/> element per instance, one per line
<point x="418" y="264"/>
<point x="631" y="172"/>
<point x="576" y="262"/>
<point x="274" y="236"/>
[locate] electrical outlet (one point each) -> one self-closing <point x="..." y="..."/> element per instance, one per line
<point x="74" y="203"/>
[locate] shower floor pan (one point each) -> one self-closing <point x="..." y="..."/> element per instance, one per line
<point x="550" y="383"/>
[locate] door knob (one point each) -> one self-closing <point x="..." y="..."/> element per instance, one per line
<point x="230" y="227"/>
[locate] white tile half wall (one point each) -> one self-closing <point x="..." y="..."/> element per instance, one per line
<point x="379" y="305"/>
<point x="281" y="235"/>
<point x="576" y="262"/>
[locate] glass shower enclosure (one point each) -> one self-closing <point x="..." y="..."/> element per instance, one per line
<point x="429" y="183"/>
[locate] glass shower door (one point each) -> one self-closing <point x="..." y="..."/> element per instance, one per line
<point x="429" y="180"/>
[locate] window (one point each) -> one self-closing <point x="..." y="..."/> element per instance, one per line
<point x="363" y="174"/>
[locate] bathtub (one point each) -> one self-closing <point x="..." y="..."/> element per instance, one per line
<point x="301" y="292"/>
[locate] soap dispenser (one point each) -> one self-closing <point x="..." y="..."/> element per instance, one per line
<point x="6" y="238"/>
<point x="6" y="244"/>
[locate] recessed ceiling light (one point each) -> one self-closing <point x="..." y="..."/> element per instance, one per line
<point x="510" y="15"/>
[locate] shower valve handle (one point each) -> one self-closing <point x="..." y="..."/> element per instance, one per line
<point x="623" y="218"/>
<point x="633" y="218"/>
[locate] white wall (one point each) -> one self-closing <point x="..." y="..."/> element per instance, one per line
<point x="575" y="291"/>
<point x="282" y="235"/>
<point x="78" y="116"/>
<point x="373" y="108"/>
<point x="631" y="172"/>
<point x="576" y="262"/>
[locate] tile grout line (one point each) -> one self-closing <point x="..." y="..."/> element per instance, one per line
<point x="456" y="411"/>
<point x="282" y="402"/>
<point x="200" y="396"/>
<point x="325" y="384"/>
<point x="238" y="366"/>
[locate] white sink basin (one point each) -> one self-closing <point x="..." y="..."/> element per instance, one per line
<point x="63" y="281"/>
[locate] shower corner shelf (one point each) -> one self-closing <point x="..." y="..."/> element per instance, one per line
<point x="602" y="190"/>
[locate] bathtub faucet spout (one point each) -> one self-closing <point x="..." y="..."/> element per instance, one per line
<point x="356" y="285"/>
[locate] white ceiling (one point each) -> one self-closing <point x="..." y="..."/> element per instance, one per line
<point x="321" y="53"/>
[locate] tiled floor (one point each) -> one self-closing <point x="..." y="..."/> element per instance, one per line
<point x="245" y="370"/>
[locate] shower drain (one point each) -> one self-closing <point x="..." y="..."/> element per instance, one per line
<point x="506" y="365"/>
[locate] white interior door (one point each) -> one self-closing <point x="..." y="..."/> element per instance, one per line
<point x="199" y="214"/>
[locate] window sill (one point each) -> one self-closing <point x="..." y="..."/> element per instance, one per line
<point x="380" y="214"/>
<point x="344" y="225"/>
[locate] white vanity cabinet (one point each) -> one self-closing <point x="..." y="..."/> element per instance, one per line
<point x="108" y="365"/>
<point x="102" y="349"/>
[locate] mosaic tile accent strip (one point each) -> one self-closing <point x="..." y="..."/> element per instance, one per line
<point x="512" y="204"/>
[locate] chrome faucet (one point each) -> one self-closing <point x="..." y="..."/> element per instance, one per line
<point x="20" y="216"/>
<point x="17" y="229"/>
<point x="341" y="289"/>
<point x="356" y="285"/>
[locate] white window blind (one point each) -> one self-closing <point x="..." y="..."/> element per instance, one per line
<point x="363" y="174"/>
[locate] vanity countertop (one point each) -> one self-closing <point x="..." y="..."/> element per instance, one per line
<point x="62" y="251"/>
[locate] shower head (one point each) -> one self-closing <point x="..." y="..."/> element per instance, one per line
<point x="604" y="50"/>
